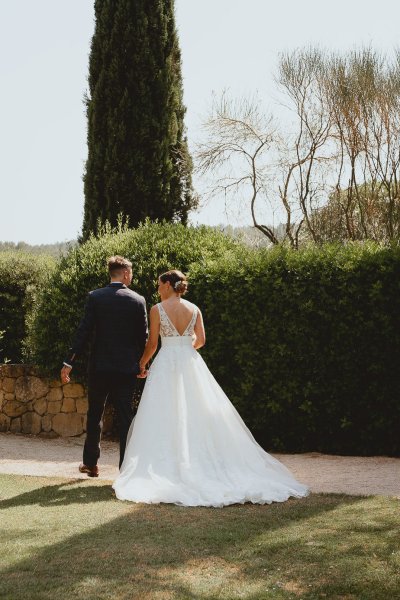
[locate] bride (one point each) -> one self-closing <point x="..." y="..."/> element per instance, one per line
<point x="187" y="444"/>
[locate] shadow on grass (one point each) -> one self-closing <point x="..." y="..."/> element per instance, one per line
<point x="61" y="494"/>
<point x="167" y="552"/>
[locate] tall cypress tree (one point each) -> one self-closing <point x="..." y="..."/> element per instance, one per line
<point x="138" y="160"/>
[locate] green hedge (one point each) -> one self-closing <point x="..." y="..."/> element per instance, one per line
<point x="152" y="248"/>
<point x="307" y="345"/>
<point x="21" y="275"/>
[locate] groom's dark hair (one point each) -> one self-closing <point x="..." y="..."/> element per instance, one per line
<point x="118" y="263"/>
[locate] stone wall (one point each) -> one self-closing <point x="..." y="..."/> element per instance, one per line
<point x="32" y="404"/>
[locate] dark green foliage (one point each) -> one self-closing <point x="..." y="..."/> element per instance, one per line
<point x="307" y="345"/>
<point x="21" y="275"/>
<point x="138" y="161"/>
<point x="5" y="359"/>
<point x="153" y="248"/>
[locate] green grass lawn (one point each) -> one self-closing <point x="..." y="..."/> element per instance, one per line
<point x="67" y="540"/>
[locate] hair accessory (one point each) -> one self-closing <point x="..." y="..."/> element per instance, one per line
<point x="177" y="283"/>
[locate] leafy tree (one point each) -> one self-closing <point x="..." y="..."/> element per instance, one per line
<point x="370" y="215"/>
<point x="55" y="250"/>
<point x="138" y="160"/>
<point x="334" y="174"/>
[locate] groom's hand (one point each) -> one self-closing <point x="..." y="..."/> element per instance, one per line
<point x="65" y="371"/>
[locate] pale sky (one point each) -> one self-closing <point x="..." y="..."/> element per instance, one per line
<point x="226" y="44"/>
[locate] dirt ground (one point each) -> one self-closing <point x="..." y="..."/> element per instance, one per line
<point x="30" y="455"/>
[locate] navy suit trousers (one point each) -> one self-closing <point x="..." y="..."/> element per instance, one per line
<point x="118" y="388"/>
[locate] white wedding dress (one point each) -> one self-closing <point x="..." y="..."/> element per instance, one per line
<point x="188" y="445"/>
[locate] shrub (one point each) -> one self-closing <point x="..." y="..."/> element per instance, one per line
<point x="152" y="248"/>
<point x="307" y="344"/>
<point x="21" y="275"/>
<point x="5" y="359"/>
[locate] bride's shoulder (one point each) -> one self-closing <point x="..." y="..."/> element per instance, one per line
<point x="190" y="305"/>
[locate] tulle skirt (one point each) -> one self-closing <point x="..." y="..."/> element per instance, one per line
<point x="188" y="445"/>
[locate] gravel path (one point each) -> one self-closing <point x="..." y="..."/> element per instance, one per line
<point x="29" y="455"/>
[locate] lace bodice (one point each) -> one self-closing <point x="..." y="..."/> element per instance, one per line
<point x="167" y="329"/>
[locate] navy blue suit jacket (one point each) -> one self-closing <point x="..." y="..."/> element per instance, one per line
<point x="115" y="319"/>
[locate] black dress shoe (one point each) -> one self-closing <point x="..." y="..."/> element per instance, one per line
<point x="91" y="471"/>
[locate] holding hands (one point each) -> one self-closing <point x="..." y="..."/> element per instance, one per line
<point x="143" y="371"/>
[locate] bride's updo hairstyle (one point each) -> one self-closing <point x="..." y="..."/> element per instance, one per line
<point x="177" y="280"/>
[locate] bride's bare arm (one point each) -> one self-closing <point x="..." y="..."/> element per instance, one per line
<point x="199" y="332"/>
<point x="152" y="341"/>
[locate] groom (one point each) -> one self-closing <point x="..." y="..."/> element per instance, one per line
<point x="116" y="320"/>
